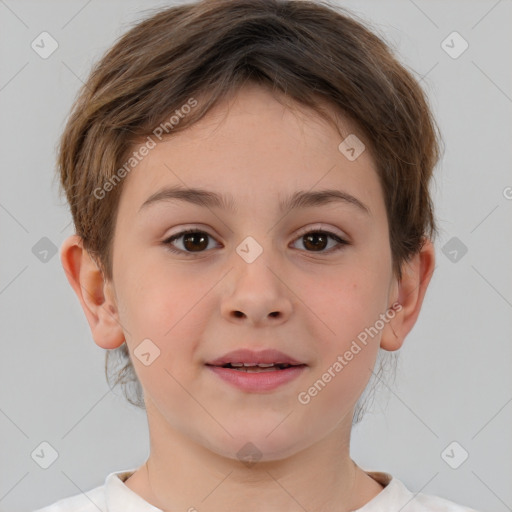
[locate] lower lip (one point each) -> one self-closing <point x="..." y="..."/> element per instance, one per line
<point x="257" y="381"/>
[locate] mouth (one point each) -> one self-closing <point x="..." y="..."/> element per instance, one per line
<point x="242" y="359"/>
<point x="256" y="372"/>
<point x="257" y="378"/>
<point x="257" y="367"/>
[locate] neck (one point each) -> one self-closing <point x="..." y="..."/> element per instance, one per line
<point x="181" y="474"/>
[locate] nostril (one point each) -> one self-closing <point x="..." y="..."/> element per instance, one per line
<point x="239" y="314"/>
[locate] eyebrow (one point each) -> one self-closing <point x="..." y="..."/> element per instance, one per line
<point x="208" y="199"/>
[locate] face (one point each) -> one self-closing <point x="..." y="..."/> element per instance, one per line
<point x="256" y="273"/>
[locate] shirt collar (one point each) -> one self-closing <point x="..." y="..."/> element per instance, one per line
<point x="120" y="498"/>
<point x="394" y="492"/>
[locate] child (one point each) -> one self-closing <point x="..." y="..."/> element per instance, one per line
<point x="286" y="141"/>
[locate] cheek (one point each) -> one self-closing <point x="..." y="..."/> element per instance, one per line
<point x="168" y="308"/>
<point x="349" y="306"/>
<point x="346" y="346"/>
<point x="349" y="300"/>
<point x="155" y="297"/>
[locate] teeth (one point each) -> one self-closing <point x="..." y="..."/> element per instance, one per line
<point x="256" y="366"/>
<point x="257" y="369"/>
<point x="249" y="365"/>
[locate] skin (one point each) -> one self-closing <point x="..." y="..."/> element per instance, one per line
<point x="258" y="151"/>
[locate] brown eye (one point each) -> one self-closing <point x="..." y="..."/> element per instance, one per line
<point x="315" y="241"/>
<point x="195" y="241"/>
<point x="192" y="241"/>
<point x="318" y="241"/>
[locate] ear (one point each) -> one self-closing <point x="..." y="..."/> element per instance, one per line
<point x="96" y="295"/>
<point x="407" y="295"/>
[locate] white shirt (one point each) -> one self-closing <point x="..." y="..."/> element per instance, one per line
<point x="115" y="496"/>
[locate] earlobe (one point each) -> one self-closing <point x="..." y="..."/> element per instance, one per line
<point x="94" y="293"/>
<point x="409" y="293"/>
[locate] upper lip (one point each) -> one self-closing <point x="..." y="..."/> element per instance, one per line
<point x="267" y="356"/>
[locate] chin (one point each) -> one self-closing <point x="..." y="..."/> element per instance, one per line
<point x="256" y="445"/>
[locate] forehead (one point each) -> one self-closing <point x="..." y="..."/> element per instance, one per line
<point x="255" y="145"/>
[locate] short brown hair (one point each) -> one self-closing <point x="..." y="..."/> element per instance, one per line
<point x="314" y="53"/>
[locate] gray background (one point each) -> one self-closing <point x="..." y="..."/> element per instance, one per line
<point x="454" y="381"/>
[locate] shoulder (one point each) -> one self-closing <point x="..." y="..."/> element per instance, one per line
<point x="396" y="495"/>
<point x="112" y="496"/>
<point x="429" y="503"/>
<point x="91" y="501"/>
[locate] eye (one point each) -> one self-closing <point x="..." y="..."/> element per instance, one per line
<point x="317" y="240"/>
<point x="197" y="241"/>
<point x="193" y="241"/>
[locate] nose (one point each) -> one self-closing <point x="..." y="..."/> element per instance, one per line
<point x="258" y="295"/>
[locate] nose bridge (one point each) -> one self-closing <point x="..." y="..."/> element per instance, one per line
<point x="257" y="293"/>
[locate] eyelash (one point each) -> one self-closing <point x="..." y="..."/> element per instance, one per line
<point x="168" y="242"/>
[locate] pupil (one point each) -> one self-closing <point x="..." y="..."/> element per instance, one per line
<point x="314" y="238"/>
<point x="203" y="242"/>
<point x="198" y="241"/>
